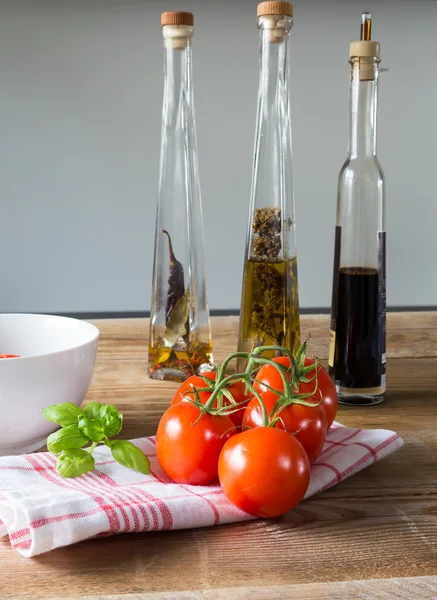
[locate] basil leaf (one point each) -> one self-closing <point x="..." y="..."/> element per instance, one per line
<point x="66" y="438"/>
<point x="92" y="410"/>
<point x="112" y="420"/>
<point x="107" y="414"/>
<point x="92" y="429"/>
<point x="128" y="455"/>
<point x="72" y="463"/>
<point x="62" y="414"/>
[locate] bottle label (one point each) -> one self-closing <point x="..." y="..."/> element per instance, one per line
<point x="382" y="300"/>
<point x="337" y="250"/>
<point x="331" y="353"/>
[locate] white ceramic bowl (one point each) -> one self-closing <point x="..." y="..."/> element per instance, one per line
<point x="56" y="365"/>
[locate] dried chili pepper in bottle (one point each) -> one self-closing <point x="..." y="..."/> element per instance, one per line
<point x="180" y="338"/>
<point x="176" y="285"/>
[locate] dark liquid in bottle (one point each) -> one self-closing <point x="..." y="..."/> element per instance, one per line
<point x="357" y="358"/>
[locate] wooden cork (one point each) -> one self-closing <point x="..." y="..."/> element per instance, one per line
<point x="178" y="18"/>
<point x="275" y="8"/>
<point x="177" y="29"/>
<point x="368" y="53"/>
<point x="367" y="49"/>
<point x="276" y="19"/>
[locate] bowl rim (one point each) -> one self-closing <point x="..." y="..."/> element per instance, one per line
<point x="92" y="327"/>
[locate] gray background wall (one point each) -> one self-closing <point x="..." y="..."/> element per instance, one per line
<point x="80" y="110"/>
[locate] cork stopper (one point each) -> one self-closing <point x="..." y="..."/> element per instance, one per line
<point x="365" y="49"/>
<point x="177" y="18"/>
<point x="276" y="19"/>
<point x="275" y="8"/>
<point x="177" y="29"/>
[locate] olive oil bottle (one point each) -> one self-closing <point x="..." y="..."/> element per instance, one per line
<point x="269" y="302"/>
<point x="357" y="355"/>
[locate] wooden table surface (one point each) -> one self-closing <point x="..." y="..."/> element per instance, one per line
<point x="372" y="536"/>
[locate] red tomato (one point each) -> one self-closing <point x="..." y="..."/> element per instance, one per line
<point x="193" y="381"/>
<point x="9" y="356"/>
<point x="325" y="386"/>
<point x="189" y="453"/>
<point x="308" y="421"/>
<point x="264" y="471"/>
<point x="269" y="375"/>
<point x="237" y="389"/>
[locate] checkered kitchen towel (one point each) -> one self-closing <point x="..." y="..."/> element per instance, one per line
<point x="40" y="511"/>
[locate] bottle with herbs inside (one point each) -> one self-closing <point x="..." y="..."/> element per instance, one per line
<point x="269" y="312"/>
<point x="357" y="356"/>
<point x="180" y="338"/>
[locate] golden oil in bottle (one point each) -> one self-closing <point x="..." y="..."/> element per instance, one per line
<point x="270" y="305"/>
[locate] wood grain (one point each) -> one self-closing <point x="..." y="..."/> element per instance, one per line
<point x="372" y="536"/>
<point x="423" y="588"/>
<point x="127" y="338"/>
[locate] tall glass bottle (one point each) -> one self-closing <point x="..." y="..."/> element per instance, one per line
<point x="357" y="356"/>
<point x="269" y="303"/>
<point x="180" y="338"/>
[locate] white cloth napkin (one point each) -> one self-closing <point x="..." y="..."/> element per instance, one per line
<point x="40" y="511"/>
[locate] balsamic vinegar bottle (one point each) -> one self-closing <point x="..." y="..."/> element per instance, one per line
<point x="357" y="354"/>
<point x="180" y="338"/>
<point x="269" y="302"/>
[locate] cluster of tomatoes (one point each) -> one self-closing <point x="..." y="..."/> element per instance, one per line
<point x="257" y="439"/>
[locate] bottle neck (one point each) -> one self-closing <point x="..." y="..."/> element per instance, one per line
<point x="363" y="112"/>
<point x="178" y="89"/>
<point x="271" y="217"/>
<point x="274" y="65"/>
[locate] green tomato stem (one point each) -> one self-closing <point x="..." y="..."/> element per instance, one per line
<point x="224" y="383"/>
<point x="288" y="392"/>
<point x="222" y="369"/>
<point x="283" y="351"/>
<point x="264" y="416"/>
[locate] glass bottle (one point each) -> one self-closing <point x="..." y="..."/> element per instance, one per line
<point x="180" y="338"/>
<point x="357" y="355"/>
<point x="269" y="312"/>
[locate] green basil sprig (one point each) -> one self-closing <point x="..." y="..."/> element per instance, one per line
<point x="82" y="430"/>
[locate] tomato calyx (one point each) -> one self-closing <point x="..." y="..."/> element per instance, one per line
<point x="301" y="372"/>
<point x="199" y="389"/>
<point x="209" y="408"/>
<point x="275" y="418"/>
<point x="209" y="386"/>
<point x="297" y="371"/>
